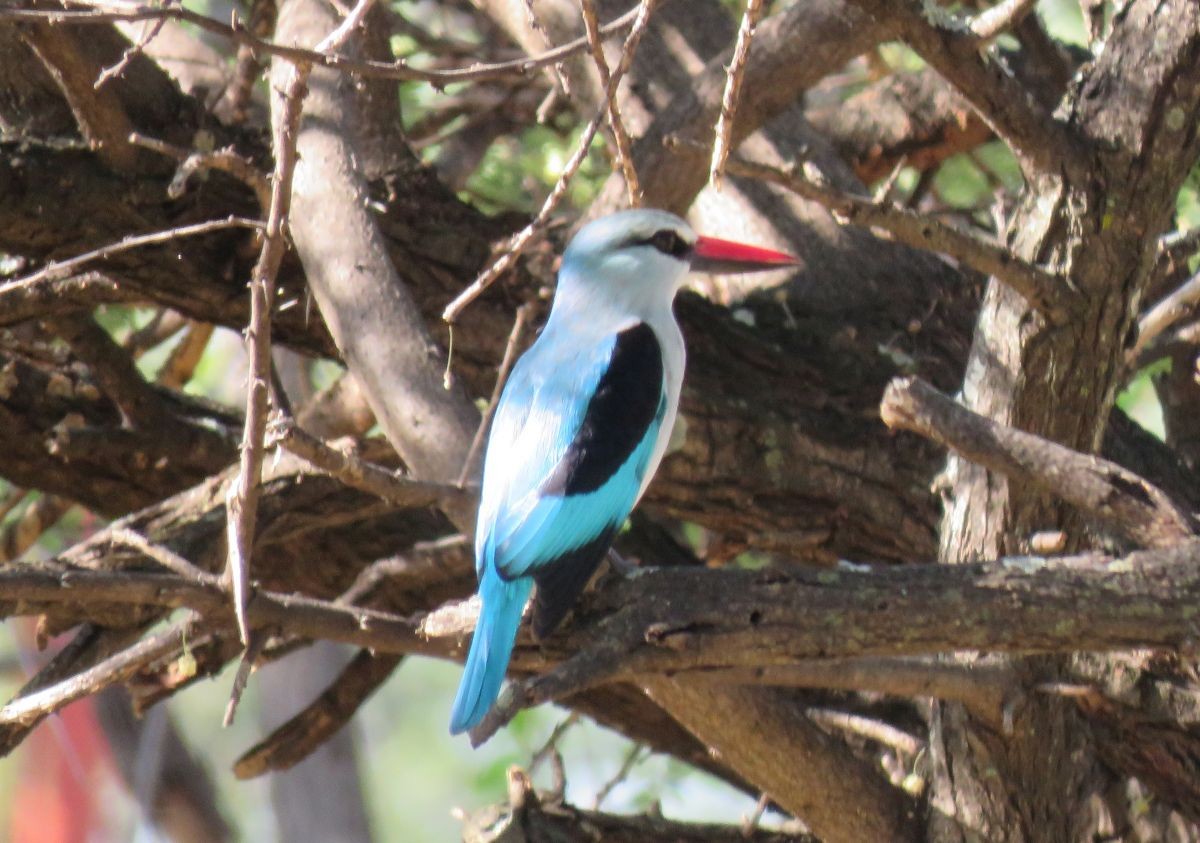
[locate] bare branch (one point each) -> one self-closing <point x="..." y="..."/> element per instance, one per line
<point x="242" y="497"/>
<point x="340" y="461"/>
<point x="61" y="269"/>
<point x="733" y="88"/>
<point x="29" y="708"/>
<point x="516" y="246"/>
<point x="1175" y="307"/>
<point x="227" y="160"/>
<point x="112" y="11"/>
<point x="620" y="134"/>
<point x="1052" y="294"/>
<point x="1100" y="489"/>
<point x="99" y="112"/>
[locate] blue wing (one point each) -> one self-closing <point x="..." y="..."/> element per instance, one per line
<point x="575" y="433"/>
<point x="573" y="439"/>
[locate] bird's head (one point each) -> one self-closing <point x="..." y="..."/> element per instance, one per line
<point x="647" y="253"/>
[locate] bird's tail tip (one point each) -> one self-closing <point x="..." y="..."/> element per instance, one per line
<point x="491" y="647"/>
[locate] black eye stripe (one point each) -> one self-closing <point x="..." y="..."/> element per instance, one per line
<point x="666" y="241"/>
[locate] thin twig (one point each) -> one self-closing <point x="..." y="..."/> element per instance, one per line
<point x="1175" y="307"/>
<point x="61" y="269"/>
<point x="1049" y="293"/>
<point x="624" y="148"/>
<point x="227" y="160"/>
<point x="131" y="52"/>
<point x="632" y="757"/>
<point x="506" y="363"/>
<point x="733" y="88"/>
<point x="113" y="11"/>
<point x="117" y="668"/>
<point x="240" y="679"/>
<point x="164" y="556"/>
<point x="344" y="464"/>
<point x="525" y="236"/>
<point x="242" y="498"/>
<point x="551" y="744"/>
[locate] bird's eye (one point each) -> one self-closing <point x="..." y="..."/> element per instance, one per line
<point x="670" y="243"/>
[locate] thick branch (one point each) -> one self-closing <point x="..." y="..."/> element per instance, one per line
<point x="673" y="619"/>
<point x="1102" y="490"/>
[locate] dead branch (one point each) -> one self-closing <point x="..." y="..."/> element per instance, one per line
<point x="1114" y="496"/>
<point x="621" y="142"/>
<point x="112" y="11"/>
<point x="517" y="245"/>
<point x="63" y="269"/>
<point x="733" y="89"/>
<point x="1050" y="293"/>
<point x="98" y="111"/>
<point x="340" y="461"/>
<point x="242" y="498"/>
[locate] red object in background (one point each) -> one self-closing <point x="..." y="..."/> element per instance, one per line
<point x="63" y="770"/>
<point x="61" y="775"/>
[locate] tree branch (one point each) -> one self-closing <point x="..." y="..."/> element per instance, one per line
<point x="109" y="11"/>
<point x="340" y="461"/>
<point x="102" y="119"/>
<point x="301" y="735"/>
<point x="1039" y="139"/>
<point x="529" y="817"/>
<point x="1049" y="293"/>
<point x="1102" y="490"/>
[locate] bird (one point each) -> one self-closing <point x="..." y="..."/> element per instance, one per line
<point x="581" y="426"/>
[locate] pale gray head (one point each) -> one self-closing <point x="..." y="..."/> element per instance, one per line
<point x="642" y="256"/>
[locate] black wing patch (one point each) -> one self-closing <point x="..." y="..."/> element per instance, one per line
<point x="560" y="583"/>
<point x="627" y="399"/>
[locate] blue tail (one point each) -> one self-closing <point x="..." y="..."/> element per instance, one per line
<point x="491" y="647"/>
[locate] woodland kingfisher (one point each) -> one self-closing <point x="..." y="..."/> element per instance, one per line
<point x="581" y="426"/>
